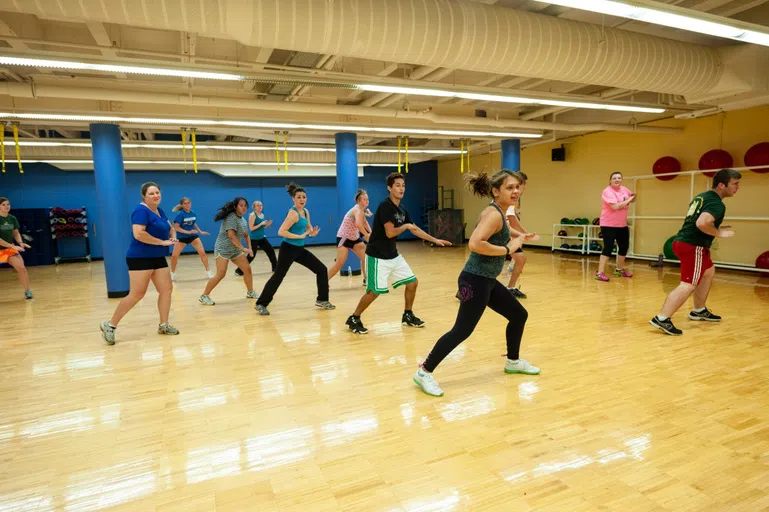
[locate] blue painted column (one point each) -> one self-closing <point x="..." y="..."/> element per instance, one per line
<point x="347" y="186"/>
<point x="114" y="222"/>
<point x="511" y="154"/>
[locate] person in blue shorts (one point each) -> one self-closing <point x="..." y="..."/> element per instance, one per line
<point x="188" y="232"/>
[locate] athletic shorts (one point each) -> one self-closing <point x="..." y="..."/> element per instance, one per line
<point x="187" y="239"/>
<point x="7" y="253"/>
<point x="695" y="260"/>
<point x="380" y="272"/>
<point x="229" y="255"/>
<point x="146" y="263"/>
<point x="346" y="242"/>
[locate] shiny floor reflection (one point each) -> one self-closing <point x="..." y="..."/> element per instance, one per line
<point x="292" y="412"/>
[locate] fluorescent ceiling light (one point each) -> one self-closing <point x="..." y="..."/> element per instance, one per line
<point x="665" y="18"/>
<point x="116" y="68"/>
<point x="186" y="73"/>
<point x="202" y="163"/>
<point x="269" y="126"/>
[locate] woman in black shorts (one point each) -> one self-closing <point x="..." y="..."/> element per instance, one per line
<point x="351" y="235"/>
<point x="186" y="226"/>
<point x="146" y="259"/>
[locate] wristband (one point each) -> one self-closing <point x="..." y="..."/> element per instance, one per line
<point x="507" y="251"/>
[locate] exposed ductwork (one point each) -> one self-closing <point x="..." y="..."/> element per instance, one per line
<point x="455" y="34"/>
<point x="18" y="90"/>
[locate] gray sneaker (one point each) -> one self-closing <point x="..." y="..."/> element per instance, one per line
<point x="205" y="299"/>
<point x="262" y="310"/>
<point x="252" y="295"/>
<point x="28" y="294"/>
<point x="167" y="328"/>
<point x="108" y="333"/>
<point x="324" y="304"/>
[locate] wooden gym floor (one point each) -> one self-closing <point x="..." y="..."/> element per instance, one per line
<point x="292" y="412"/>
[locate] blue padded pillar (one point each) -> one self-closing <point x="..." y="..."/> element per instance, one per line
<point x="347" y="186"/>
<point x="511" y="154"/>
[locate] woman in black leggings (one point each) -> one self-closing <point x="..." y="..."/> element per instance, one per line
<point x="294" y="230"/>
<point x="478" y="285"/>
<point x="615" y="201"/>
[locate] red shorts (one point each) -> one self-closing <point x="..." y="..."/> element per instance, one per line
<point x="695" y="260"/>
<point x="7" y="253"/>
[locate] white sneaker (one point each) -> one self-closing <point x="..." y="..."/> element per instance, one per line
<point x="252" y="295"/>
<point x="427" y="382"/>
<point x="173" y="276"/>
<point x="510" y="267"/>
<point x="520" y="366"/>
<point x="205" y="299"/>
<point x="210" y="274"/>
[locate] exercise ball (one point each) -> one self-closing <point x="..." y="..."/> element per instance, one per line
<point x="668" y="249"/>
<point x="715" y="159"/>
<point x="763" y="260"/>
<point x="665" y="165"/>
<point x="758" y="155"/>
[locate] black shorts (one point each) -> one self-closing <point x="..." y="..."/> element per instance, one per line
<point x="146" y="263"/>
<point x="348" y="243"/>
<point x="187" y="239"/>
<point x="509" y="257"/>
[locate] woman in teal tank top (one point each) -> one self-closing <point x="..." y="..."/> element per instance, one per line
<point x="478" y="286"/>
<point x="257" y="223"/>
<point x="294" y="230"/>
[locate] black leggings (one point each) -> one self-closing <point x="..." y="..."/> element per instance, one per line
<point x="264" y="245"/>
<point x="286" y="257"/>
<point x="621" y="235"/>
<point x="477" y="292"/>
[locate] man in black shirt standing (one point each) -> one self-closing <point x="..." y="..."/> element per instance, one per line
<point x="382" y="258"/>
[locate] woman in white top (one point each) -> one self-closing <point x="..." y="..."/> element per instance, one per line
<point x="351" y="235"/>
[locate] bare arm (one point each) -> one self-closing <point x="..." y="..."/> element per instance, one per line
<point x="19" y="246"/>
<point x="140" y="233"/>
<point x="424" y="236"/>
<point x="361" y="224"/>
<point x="251" y="222"/>
<point x="178" y="228"/>
<point x="291" y="219"/>
<point x="707" y="224"/>
<point x="200" y="230"/>
<point x="391" y="231"/>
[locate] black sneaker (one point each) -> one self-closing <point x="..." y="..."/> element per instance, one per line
<point x="239" y="273"/>
<point x="412" y="321"/>
<point x="355" y="325"/>
<point x="518" y="294"/>
<point x="666" y="326"/>
<point x="706" y="315"/>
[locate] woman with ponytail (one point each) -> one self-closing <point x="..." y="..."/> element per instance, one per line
<point x="351" y="235"/>
<point x="186" y="226"/>
<point x="228" y="247"/>
<point x="490" y="243"/>
<point x="294" y="230"/>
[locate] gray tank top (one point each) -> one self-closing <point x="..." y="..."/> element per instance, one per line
<point x="490" y="266"/>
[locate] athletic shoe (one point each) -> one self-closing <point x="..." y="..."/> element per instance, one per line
<point x="28" y="294"/>
<point x="210" y="274"/>
<point x="205" y="299"/>
<point x="355" y="325"/>
<point x="427" y="382"/>
<point x="364" y="281"/>
<point x="239" y="273"/>
<point x="622" y="272"/>
<point x="411" y="320"/>
<point x="600" y="276"/>
<point x="706" y="315"/>
<point x="666" y="326"/>
<point x="510" y="267"/>
<point x="108" y="333"/>
<point x="518" y="294"/>
<point x="167" y="328"/>
<point x="173" y="276"/>
<point x="252" y="295"/>
<point x="324" y="304"/>
<point x="262" y="310"/>
<point x="521" y="366"/>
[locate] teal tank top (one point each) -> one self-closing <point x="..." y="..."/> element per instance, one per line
<point x="299" y="228"/>
<point x="490" y="266"/>
<point x="258" y="233"/>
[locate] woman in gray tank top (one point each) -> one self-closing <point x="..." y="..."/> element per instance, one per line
<point x="489" y="244"/>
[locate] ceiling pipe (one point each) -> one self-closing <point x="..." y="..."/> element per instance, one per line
<point x="17" y="90"/>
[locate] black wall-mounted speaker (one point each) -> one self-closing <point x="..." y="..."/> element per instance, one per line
<point x="558" y="154"/>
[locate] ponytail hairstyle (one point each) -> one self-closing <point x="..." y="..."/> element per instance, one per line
<point x="293" y="189"/>
<point x="360" y="193"/>
<point x="179" y="206"/>
<point x="228" y="208"/>
<point x="482" y="185"/>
